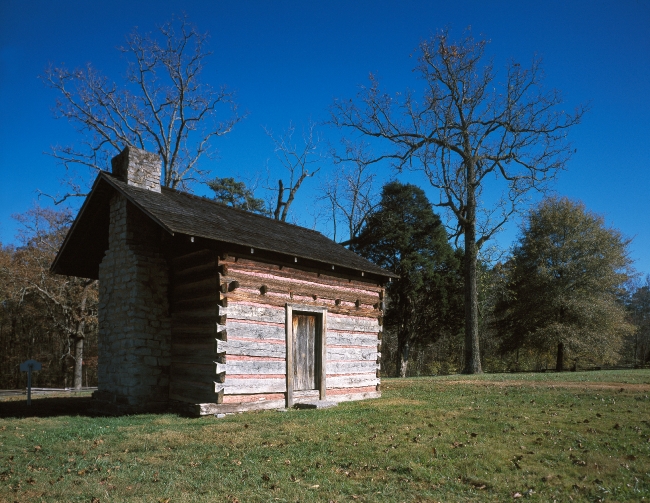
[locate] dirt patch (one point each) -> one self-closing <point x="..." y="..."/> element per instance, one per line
<point x="608" y="386"/>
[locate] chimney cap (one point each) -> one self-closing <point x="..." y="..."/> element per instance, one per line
<point x="138" y="167"/>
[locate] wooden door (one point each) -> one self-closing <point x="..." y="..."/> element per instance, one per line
<point x="305" y="353"/>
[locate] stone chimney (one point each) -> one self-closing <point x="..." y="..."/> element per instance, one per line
<point x="138" y="168"/>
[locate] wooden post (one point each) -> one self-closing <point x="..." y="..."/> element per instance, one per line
<point x="289" y="357"/>
<point x="28" y="366"/>
<point x="323" y="357"/>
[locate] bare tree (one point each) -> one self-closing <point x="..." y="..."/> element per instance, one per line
<point x="467" y="131"/>
<point x="162" y="106"/>
<point x="350" y="191"/>
<point x="297" y="160"/>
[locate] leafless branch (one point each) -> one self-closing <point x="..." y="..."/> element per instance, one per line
<point x="162" y="106"/>
<point x="350" y="191"/>
<point x="299" y="161"/>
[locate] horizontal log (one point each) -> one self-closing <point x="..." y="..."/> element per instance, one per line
<point x="197" y="332"/>
<point x="253" y="367"/>
<point x="197" y="315"/>
<point x="204" y="409"/>
<point x="199" y="358"/>
<point x="351" y="367"/>
<point x="193" y="259"/>
<point x="258" y="397"/>
<point x="201" y="372"/>
<point x="196" y="275"/>
<point x="348" y="339"/>
<point x="199" y="338"/>
<point x="193" y="391"/>
<point x="251" y="386"/>
<point x="179" y="301"/>
<point x="302" y="288"/>
<point x="255" y="330"/>
<point x="263" y="367"/>
<point x="353" y="397"/>
<point x="254" y="313"/>
<point x="251" y="348"/>
<point x="290" y="272"/>
<point x="205" y="347"/>
<point x="196" y="290"/>
<point x="188" y="396"/>
<point x="189" y="274"/>
<point x="353" y="381"/>
<point x="335" y="353"/>
<point x="189" y="330"/>
<point x="353" y="324"/>
<point x="207" y="302"/>
<point x="198" y="373"/>
<point x="270" y="300"/>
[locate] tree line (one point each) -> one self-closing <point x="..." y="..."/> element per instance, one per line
<point x="565" y="297"/>
<point x="466" y="127"/>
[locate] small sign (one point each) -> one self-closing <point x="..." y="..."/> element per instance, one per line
<point x="32" y="365"/>
<point x="29" y="366"/>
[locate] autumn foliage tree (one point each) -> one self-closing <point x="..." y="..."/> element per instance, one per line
<point x="44" y="316"/>
<point x="567" y="278"/>
<point x="470" y="127"/>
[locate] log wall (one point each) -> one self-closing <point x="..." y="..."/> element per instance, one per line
<point x="195" y="316"/>
<point x="229" y="349"/>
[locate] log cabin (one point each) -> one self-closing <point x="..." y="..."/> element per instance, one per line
<point x="211" y="309"/>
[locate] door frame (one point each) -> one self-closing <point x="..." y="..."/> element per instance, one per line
<point x="321" y="352"/>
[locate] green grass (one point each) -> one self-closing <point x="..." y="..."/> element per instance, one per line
<point x="565" y="437"/>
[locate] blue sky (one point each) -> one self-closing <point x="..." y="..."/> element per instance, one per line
<point x="287" y="61"/>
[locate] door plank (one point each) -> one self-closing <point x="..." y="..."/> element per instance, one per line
<point x="304" y="344"/>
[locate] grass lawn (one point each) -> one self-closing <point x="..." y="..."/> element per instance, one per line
<point x="505" y="437"/>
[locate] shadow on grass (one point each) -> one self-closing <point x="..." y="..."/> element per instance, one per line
<point x="61" y="406"/>
<point x="50" y="407"/>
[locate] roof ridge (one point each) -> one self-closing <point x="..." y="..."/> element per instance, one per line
<point x="223" y="205"/>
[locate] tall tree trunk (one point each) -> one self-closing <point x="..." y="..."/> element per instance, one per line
<point x="79" y="338"/>
<point x="404" y="359"/>
<point x="78" y="361"/>
<point x="403" y="349"/>
<point x="559" y="365"/>
<point x="472" y="350"/>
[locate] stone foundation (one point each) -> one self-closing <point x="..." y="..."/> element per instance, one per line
<point x="134" y="320"/>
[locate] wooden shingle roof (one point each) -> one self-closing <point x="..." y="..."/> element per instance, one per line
<point x="182" y="213"/>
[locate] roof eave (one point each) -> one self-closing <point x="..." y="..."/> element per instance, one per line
<point x="78" y="218"/>
<point x="381" y="273"/>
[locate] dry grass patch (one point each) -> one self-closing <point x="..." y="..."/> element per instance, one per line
<point x="615" y="386"/>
